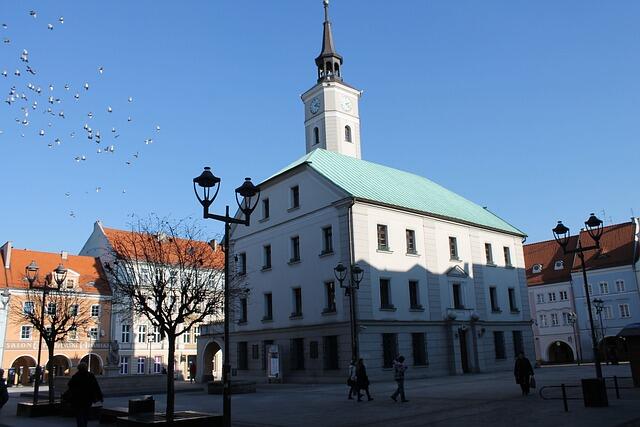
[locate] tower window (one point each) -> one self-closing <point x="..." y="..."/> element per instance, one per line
<point x="347" y="133"/>
<point x="316" y="135"/>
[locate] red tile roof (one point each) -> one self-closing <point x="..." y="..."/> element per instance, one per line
<point x="618" y="247"/>
<point x="92" y="278"/>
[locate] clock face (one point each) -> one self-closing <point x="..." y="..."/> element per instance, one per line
<point x="346" y="104"/>
<point x="314" y="107"/>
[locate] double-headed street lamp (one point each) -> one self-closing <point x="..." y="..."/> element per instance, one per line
<point x="561" y="233"/>
<point x="340" y="271"/>
<point x="598" y="304"/>
<point x="572" y="319"/>
<point x="209" y="183"/>
<point x="59" y="276"/>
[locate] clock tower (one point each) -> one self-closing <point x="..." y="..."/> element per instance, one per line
<point x="331" y="114"/>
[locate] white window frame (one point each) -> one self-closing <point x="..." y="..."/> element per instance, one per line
<point x="94" y="308"/>
<point x="124" y="365"/>
<point x="537" y="268"/>
<point x="554" y="319"/>
<point x="30" y="304"/>
<point x="558" y="265"/>
<point x="141" y="336"/>
<point x="620" y="285"/>
<point x="603" y="287"/>
<point x="564" y="295"/>
<point x="540" y="298"/>
<point x="29" y="333"/>
<point x="141" y="362"/>
<point x="157" y="364"/>
<point x="94" y="333"/>
<point x="625" y="313"/>
<point x="125" y="333"/>
<point x="552" y="296"/>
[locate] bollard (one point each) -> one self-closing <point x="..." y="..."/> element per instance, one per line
<point x="615" y="383"/>
<point x="564" y="398"/>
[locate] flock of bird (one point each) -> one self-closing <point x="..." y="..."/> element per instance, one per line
<point x="38" y="107"/>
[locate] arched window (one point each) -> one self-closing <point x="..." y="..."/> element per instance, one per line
<point x="316" y="135"/>
<point x="347" y="133"/>
<point x="337" y="69"/>
<point x="329" y="68"/>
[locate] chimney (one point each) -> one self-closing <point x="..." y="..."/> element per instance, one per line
<point x="64" y="255"/>
<point x="6" y="254"/>
<point x="214" y="244"/>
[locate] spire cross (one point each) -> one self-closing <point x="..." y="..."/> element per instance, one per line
<point x="326" y="10"/>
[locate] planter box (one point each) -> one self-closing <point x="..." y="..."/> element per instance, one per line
<point x="237" y="387"/>
<point x="183" y="418"/>
<point x="41" y="409"/>
<point x="122" y="385"/>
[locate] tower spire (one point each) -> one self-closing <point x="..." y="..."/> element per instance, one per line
<point x="329" y="61"/>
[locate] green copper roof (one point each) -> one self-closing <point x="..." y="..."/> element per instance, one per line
<point x="389" y="186"/>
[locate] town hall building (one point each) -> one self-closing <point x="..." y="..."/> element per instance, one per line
<point x="443" y="278"/>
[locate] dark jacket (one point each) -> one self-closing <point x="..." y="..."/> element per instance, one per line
<point x="522" y="369"/>
<point x="84" y="390"/>
<point x="362" y="380"/>
<point x="4" y="394"/>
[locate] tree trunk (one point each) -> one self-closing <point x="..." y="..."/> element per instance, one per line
<point x="171" y="396"/>
<point x="50" y="376"/>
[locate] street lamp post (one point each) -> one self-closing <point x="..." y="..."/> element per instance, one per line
<point x="561" y="234"/>
<point x="340" y="271"/>
<point x="572" y="318"/>
<point x="208" y="182"/>
<point x="59" y="276"/>
<point x="598" y="304"/>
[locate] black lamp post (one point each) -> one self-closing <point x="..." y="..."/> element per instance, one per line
<point x="598" y="304"/>
<point x="561" y="233"/>
<point x="571" y="319"/>
<point x="59" y="276"/>
<point x="340" y="271"/>
<point x="208" y="182"/>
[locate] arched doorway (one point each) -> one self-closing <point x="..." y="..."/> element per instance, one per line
<point x="24" y="369"/>
<point x="613" y="349"/>
<point x="94" y="362"/>
<point x="61" y="365"/>
<point x="560" y="352"/>
<point x="212" y="368"/>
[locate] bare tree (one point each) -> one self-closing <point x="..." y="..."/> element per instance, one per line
<point x="168" y="274"/>
<point x="65" y="312"/>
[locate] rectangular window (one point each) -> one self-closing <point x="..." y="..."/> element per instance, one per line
<point x="493" y="296"/>
<point x="156" y="336"/>
<point x="608" y="313"/>
<point x="330" y="297"/>
<point x="624" y="310"/>
<point x="243" y="356"/>
<point x="297" y="302"/>
<point x="552" y="296"/>
<point x="73" y="334"/>
<point x="457" y="296"/>
<point x="383" y="241"/>
<point x="173" y="277"/>
<point x="389" y="349"/>
<point x="419" y="346"/>
<point x="52" y="309"/>
<point x="313" y="350"/>
<point x="141" y="361"/>
<point x="265" y="352"/>
<point x="95" y="310"/>
<point x="411" y="241"/>
<point x="295" y="197"/>
<point x="414" y="294"/>
<point x="265" y="208"/>
<point x="327" y="240"/>
<point x="554" y="319"/>
<point x="268" y="306"/>
<point x="297" y="354"/>
<point x="518" y="344"/>
<point x="93" y="333"/>
<point x="25" y="333"/>
<point x="565" y="318"/>
<point x="27" y="307"/>
<point x="126" y="333"/>
<point x="73" y="310"/>
<point x="242" y="264"/>
<point x="255" y="352"/>
<point x="295" y="249"/>
<point x="124" y="364"/>
<point x="157" y="364"/>
<point x="70" y="283"/>
<point x="385" y="293"/>
<point x="488" y="251"/>
<point x="590" y="288"/>
<point x="513" y="305"/>
<point x="330" y="352"/>
<point x="498" y="343"/>
<point x="453" y="248"/>
<point x="543" y="321"/>
<point x="142" y="333"/>
<point x="507" y="256"/>
<point x="564" y="296"/>
<point x="266" y="257"/>
<point x="243" y="310"/>
<point x="604" y="288"/>
<point x="186" y="337"/>
<point x="620" y="285"/>
<point x="540" y="298"/>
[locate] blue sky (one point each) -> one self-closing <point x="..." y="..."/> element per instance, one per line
<point x="529" y="108"/>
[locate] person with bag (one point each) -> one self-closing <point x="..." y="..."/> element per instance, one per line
<point x="362" y="380"/>
<point x="4" y="394"/>
<point x="523" y="371"/>
<point x="352" y="381"/>
<point x="83" y="392"/>
<point x="398" y="374"/>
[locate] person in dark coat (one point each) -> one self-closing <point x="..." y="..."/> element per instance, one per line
<point x="523" y="371"/>
<point x="83" y="392"/>
<point x="362" y="380"/>
<point x="4" y="394"/>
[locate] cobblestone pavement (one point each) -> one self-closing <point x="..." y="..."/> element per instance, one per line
<point x="469" y="400"/>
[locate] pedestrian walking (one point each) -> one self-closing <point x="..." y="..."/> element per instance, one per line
<point x="352" y="381"/>
<point x="362" y="380"/>
<point x="523" y="373"/>
<point x="192" y="372"/>
<point x="4" y="394"/>
<point x="398" y="374"/>
<point x="83" y="392"/>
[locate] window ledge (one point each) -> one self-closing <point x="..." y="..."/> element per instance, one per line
<point x="491" y="264"/>
<point x="416" y="308"/>
<point x="295" y="316"/>
<point x="515" y="311"/>
<point x="295" y="208"/>
<point x="265" y="269"/>
<point x="510" y="267"/>
<point x="241" y="273"/>
<point x="325" y="254"/>
<point x="388" y="308"/>
<point x="264" y="219"/>
<point x="267" y="319"/>
<point x="294" y="261"/>
<point x="384" y="250"/>
<point x="416" y="254"/>
<point x="456" y="259"/>
<point x="240" y="323"/>
<point x="497" y="310"/>
<point x="328" y="312"/>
